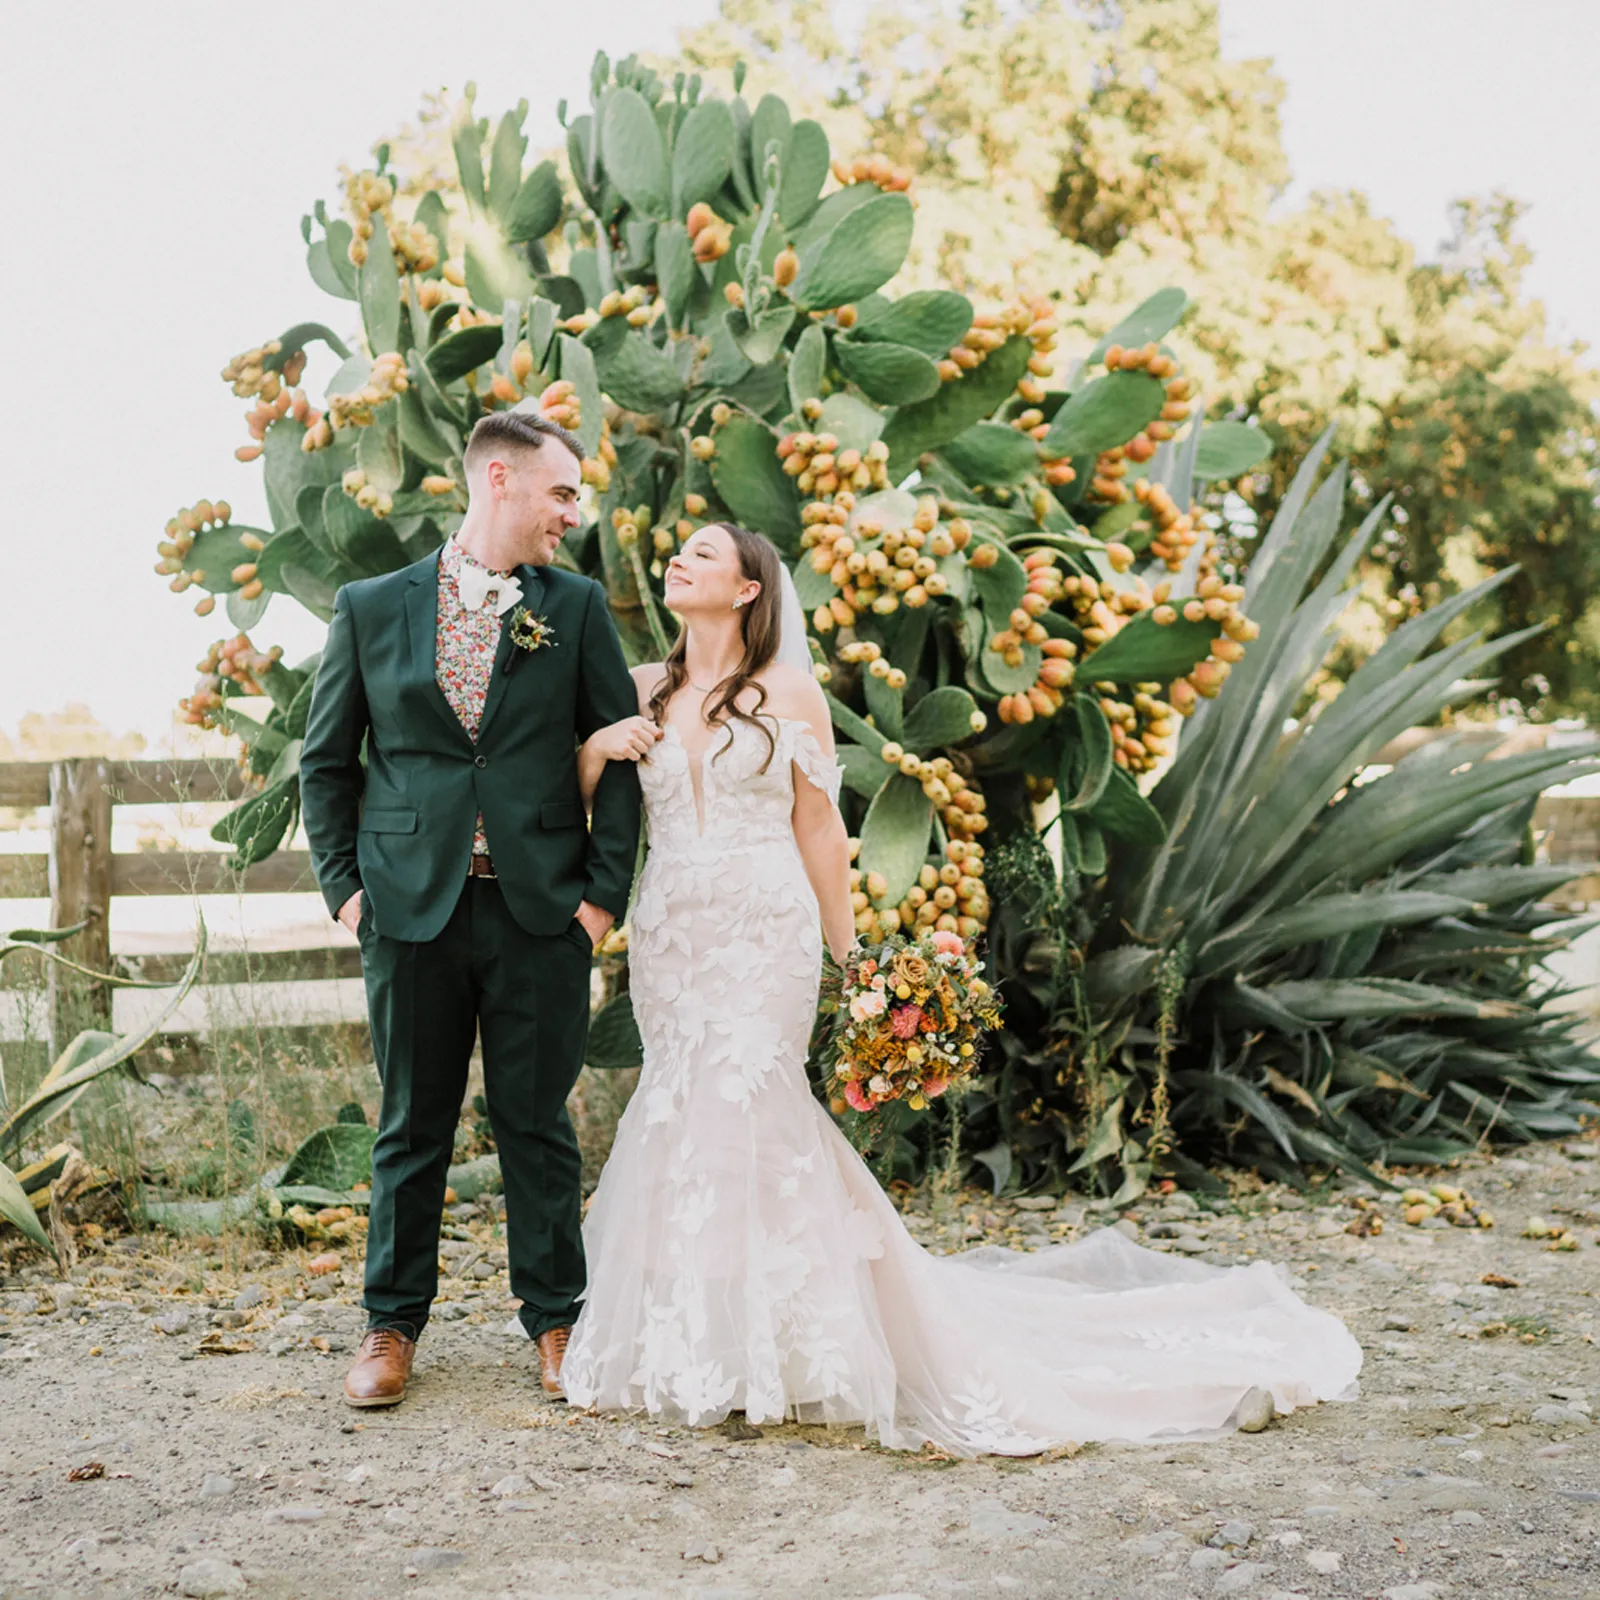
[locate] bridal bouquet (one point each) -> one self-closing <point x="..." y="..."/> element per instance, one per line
<point x="910" y="1011"/>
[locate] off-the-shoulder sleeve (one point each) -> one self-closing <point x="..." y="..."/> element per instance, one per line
<point x="816" y="767"/>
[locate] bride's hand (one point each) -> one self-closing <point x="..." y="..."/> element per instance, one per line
<point x="628" y="740"/>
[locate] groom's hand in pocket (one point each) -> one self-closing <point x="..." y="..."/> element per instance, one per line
<point x="595" y="921"/>
<point x="350" y="913"/>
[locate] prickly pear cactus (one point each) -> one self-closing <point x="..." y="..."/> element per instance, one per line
<point x="1013" y="597"/>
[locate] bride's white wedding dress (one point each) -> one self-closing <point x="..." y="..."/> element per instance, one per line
<point x="742" y="1257"/>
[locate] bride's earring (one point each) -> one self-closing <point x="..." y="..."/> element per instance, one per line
<point x="737" y="604"/>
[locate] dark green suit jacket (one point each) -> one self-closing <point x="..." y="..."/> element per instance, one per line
<point x="401" y="827"/>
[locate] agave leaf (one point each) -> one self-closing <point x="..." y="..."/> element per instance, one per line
<point x="1332" y="1000"/>
<point x="1326" y="917"/>
<point x="1319" y="759"/>
<point x="1234" y="1090"/>
<point x="1494" y="886"/>
<point x="79" y="1066"/>
<point x="1410" y="808"/>
<point x="1116" y="976"/>
<point x="18" y="938"/>
<point x="1105" y="1140"/>
<point x="1371" y="1072"/>
<point x="17" y="1209"/>
<point x="1290" y="1090"/>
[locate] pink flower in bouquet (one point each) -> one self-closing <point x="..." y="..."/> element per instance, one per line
<point x="947" y="943"/>
<point x="905" y="1021"/>
<point x="934" y="1087"/>
<point x="857" y="1096"/>
<point x="868" y="1005"/>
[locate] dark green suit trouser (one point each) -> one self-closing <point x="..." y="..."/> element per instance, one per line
<point x="528" y="994"/>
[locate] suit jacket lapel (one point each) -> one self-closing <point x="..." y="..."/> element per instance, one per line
<point x="532" y="597"/>
<point x="422" y="627"/>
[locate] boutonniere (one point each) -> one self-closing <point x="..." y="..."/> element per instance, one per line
<point x="529" y="633"/>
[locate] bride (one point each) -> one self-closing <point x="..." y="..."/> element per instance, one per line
<point x="741" y="1255"/>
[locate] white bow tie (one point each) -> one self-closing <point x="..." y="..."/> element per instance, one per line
<point x="476" y="586"/>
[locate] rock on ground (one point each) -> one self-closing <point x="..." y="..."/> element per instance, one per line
<point x="1469" y="1466"/>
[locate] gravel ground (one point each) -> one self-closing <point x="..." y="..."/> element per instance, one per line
<point x="171" y="1423"/>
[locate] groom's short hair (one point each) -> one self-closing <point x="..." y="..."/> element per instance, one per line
<point x="515" y="430"/>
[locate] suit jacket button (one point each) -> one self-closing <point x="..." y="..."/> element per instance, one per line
<point x="480" y="761"/>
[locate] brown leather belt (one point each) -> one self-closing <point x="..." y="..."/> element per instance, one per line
<point x="481" y="867"/>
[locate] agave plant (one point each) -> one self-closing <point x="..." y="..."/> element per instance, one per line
<point x="1313" y="968"/>
<point x="90" y="1057"/>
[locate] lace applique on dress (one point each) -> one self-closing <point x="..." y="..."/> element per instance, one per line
<point x="741" y="1256"/>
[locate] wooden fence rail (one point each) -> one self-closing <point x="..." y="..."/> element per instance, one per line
<point x="81" y="874"/>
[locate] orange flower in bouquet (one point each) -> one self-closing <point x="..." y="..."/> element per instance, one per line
<point x="910" y="1015"/>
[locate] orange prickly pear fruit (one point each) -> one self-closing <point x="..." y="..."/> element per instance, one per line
<point x="786" y="268"/>
<point x="699" y="215"/>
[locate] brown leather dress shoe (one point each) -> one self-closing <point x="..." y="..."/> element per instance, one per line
<point x="552" y="1349"/>
<point x="382" y="1369"/>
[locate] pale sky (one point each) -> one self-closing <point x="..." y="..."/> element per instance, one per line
<point x="161" y="157"/>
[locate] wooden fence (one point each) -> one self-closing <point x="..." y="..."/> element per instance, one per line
<point x="81" y="874"/>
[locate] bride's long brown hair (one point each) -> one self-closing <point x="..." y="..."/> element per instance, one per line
<point x="758" y="627"/>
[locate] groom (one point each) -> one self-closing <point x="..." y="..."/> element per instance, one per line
<point x="440" y="792"/>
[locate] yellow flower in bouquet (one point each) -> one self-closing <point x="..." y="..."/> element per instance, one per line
<point x="910" y="1014"/>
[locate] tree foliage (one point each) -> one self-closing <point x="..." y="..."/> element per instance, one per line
<point x="1104" y="151"/>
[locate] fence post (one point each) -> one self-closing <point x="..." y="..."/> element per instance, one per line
<point x="80" y="891"/>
